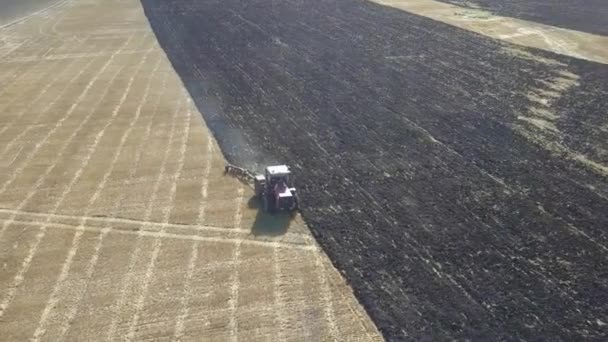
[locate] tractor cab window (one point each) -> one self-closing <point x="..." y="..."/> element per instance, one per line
<point x="278" y="179"/>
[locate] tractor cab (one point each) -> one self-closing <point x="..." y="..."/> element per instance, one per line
<point x="274" y="189"/>
<point x="277" y="174"/>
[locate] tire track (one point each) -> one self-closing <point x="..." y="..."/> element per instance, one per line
<point x="60" y="283"/>
<point x="205" y="186"/>
<point x="185" y="237"/>
<point x="60" y="122"/>
<point x="127" y="281"/>
<point x="41" y="114"/>
<point x="17" y="71"/>
<point x="18" y="279"/>
<point x="107" y="226"/>
<point x="185" y="300"/>
<point x="24" y="111"/>
<point x="33" y="85"/>
<point x="107" y="221"/>
<point x="279" y="300"/>
<point x="166" y="215"/>
<point x="10" y="50"/>
<point x="233" y="302"/>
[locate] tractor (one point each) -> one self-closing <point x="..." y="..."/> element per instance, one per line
<point x="275" y="191"/>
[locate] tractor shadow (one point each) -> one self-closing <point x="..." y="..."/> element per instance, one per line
<point x="266" y="224"/>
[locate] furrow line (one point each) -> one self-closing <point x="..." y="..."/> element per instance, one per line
<point x="29" y="216"/>
<point x="44" y="90"/>
<point x="234" y="287"/>
<point x="166" y="213"/>
<point x="107" y="227"/>
<point x="54" y="299"/>
<point x="185" y="301"/>
<point x="68" y="114"/>
<point x="185" y="237"/>
<point x="279" y="301"/>
<point x="18" y="279"/>
<point x="40" y="115"/>
<point x="127" y="281"/>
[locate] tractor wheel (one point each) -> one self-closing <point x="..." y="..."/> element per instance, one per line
<point x="294" y="205"/>
<point x="268" y="204"/>
<point x="265" y="203"/>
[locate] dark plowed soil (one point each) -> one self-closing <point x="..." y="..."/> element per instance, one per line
<point x="581" y="15"/>
<point x="403" y="135"/>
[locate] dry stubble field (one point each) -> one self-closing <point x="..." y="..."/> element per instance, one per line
<point x="115" y="219"/>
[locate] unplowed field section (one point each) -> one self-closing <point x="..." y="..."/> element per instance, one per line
<point x="11" y="10"/>
<point x="581" y="15"/>
<point x="460" y="183"/>
<point x="117" y="222"/>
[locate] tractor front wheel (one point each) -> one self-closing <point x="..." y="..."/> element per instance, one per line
<point x="294" y="205"/>
<point x="265" y="204"/>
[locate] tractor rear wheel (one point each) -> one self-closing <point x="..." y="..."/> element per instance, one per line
<point x="265" y="204"/>
<point x="294" y="204"/>
<point x="269" y="203"/>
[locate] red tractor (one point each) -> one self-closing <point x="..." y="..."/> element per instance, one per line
<point x="275" y="191"/>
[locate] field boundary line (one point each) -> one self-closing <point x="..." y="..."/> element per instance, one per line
<point x="61" y="57"/>
<point x="95" y="219"/>
<point x="564" y="41"/>
<point x="326" y="296"/>
<point x="152" y="234"/>
<point x="357" y="313"/>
